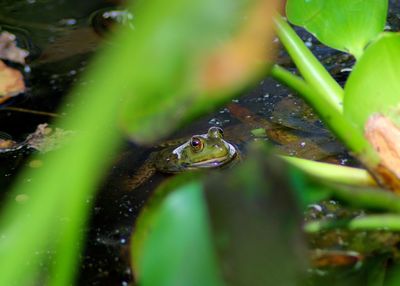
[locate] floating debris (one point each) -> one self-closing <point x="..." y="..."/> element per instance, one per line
<point x="46" y="139"/>
<point x="9" y="50"/>
<point x="11" y="82"/>
<point x="6" y="142"/>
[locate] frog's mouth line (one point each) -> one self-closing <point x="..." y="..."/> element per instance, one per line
<point x="216" y="162"/>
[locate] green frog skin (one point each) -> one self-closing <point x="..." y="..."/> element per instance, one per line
<point x="204" y="151"/>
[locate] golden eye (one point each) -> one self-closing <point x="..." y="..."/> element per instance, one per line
<point x="196" y="144"/>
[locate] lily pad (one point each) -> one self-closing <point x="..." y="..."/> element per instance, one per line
<point x="373" y="85"/>
<point x="346" y="25"/>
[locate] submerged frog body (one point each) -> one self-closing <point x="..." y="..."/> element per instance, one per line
<point x="203" y="151"/>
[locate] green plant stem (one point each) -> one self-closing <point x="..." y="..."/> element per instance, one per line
<point x="344" y="130"/>
<point x="389" y="222"/>
<point x="348" y="184"/>
<point x="311" y="69"/>
<point x="368" y="198"/>
<point x="332" y="172"/>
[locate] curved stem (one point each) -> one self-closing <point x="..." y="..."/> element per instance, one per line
<point x="311" y="69"/>
<point x="344" y="130"/>
<point x="332" y="172"/>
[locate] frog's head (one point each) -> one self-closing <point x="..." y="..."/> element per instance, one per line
<point x="208" y="150"/>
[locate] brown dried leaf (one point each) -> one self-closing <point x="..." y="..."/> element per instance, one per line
<point x="7" y="143"/>
<point x="11" y="82"/>
<point x="238" y="60"/>
<point x="384" y="137"/>
<point x="9" y="50"/>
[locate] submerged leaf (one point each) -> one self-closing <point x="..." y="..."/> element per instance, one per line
<point x="346" y="25"/>
<point x="69" y="43"/>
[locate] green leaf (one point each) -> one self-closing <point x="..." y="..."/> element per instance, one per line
<point x="149" y="212"/>
<point x="377" y="270"/>
<point x="346" y="25"/>
<point x="177" y="249"/>
<point x="169" y="59"/>
<point x="373" y="85"/>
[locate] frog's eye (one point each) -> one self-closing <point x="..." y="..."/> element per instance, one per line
<point x="196" y="144"/>
<point x="216" y="132"/>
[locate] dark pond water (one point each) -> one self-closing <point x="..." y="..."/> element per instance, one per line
<point x="61" y="37"/>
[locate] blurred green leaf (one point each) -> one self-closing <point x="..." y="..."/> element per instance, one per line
<point x="256" y="222"/>
<point x="377" y="271"/>
<point x="346" y="25"/>
<point x="187" y="58"/>
<point x="393" y="277"/>
<point x="146" y="219"/>
<point x="373" y="85"/>
<point x="177" y="247"/>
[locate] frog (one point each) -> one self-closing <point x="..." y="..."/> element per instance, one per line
<point x="203" y="151"/>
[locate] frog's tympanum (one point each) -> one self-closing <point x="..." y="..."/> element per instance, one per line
<point x="203" y="151"/>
